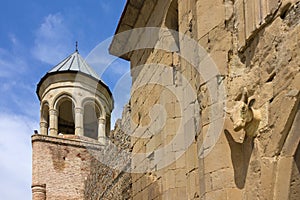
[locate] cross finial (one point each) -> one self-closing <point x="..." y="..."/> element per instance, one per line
<point x="76" y="46"/>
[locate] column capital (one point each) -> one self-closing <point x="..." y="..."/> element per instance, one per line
<point x="44" y="124"/>
<point x="102" y="120"/>
<point x="53" y="112"/>
<point x="79" y="110"/>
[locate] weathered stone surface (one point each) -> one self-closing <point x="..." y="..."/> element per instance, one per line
<point x="255" y="45"/>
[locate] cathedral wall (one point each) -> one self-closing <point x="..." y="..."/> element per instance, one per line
<point x="169" y="169"/>
<point x="254" y="45"/>
<point x="259" y="52"/>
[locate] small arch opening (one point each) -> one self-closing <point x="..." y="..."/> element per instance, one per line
<point x="90" y="120"/>
<point x="171" y="23"/>
<point x="66" y="123"/>
<point x="172" y="16"/>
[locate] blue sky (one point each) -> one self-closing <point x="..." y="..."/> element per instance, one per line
<point x="34" y="36"/>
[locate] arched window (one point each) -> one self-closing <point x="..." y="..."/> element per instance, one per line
<point x="172" y="22"/>
<point x="172" y="16"/>
<point x="90" y="120"/>
<point x="66" y="123"/>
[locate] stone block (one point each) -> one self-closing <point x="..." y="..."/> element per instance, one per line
<point x="268" y="169"/>
<point x="170" y="179"/>
<point x="266" y="93"/>
<point x="190" y="155"/>
<point x="180" y="162"/>
<point x="296" y="82"/>
<point x="193" y="189"/>
<point x="220" y="59"/>
<point x="180" y="178"/>
<point x="283" y="177"/>
<point x="218" y="158"/>
<point x="218" y="194"/>
<point x="282" y="111"/>
<point x="209" y="15"/>
<point x="170" y="194"/>
<point x="234" y="193"/>
<point x="218" y="178"/>
<point x="181" y="193"/>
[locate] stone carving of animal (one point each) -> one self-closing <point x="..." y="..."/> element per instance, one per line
<point x="244" y="116"/>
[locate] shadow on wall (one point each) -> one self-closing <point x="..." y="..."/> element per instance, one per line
<point x="240" y="156"/>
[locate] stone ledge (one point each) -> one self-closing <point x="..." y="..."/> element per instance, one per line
<point x="68" y="140"/>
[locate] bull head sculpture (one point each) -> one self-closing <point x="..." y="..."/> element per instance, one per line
<point x="244" y="116"/>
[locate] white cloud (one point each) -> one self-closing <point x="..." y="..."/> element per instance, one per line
<point x="52" y="40"/>
<point x="13" y="39"/>
<point x="15" y="156"/>
<point x="11" y="64"/>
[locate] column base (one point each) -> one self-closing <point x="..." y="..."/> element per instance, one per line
<point x="102" y="140"/>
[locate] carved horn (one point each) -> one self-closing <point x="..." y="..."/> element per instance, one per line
<point x="227" y="110"/>
<point x="245" y="95"/>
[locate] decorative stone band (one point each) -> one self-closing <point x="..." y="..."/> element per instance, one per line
<point x="38" y="192"/>
<point x="44" y="124"/>
<point x="102" y="120"/>
<point x="79" y="110"/>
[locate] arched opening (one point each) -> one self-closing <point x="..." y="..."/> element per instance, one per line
<point x="172" y="23"/>
<point x="66" y="123"/>
<point x="90" y="120"/>
<point x="172" y="16"/>
<point x="44" y="122"/>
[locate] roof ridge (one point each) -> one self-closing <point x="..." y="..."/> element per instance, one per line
<point x="69" y="68"/>
<point x="62" y="63"/>
<point x="80" y="65"/>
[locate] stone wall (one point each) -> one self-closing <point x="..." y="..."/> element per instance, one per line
<point x="264" y="59"/>
<point x="255" y="46"/>
<point x="168" y="170"/>
<point x="107" y="180"/>
<point x="175" y="140"/>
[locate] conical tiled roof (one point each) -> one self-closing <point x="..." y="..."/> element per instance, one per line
<point x="75" y="63"/>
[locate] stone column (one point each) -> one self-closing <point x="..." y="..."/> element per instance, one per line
<point x="53" y="122"/>
<point x="101" y="130"/>
<point x="79" y="121"/>
<point x="43" y="128"/>
<point x="38" y="192"/>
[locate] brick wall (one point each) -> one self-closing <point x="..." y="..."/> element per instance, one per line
<point x="69" y="167"/>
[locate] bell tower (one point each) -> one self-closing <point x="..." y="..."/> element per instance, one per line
<point x="75" y="112"/>
<point x="74" y="101"/>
